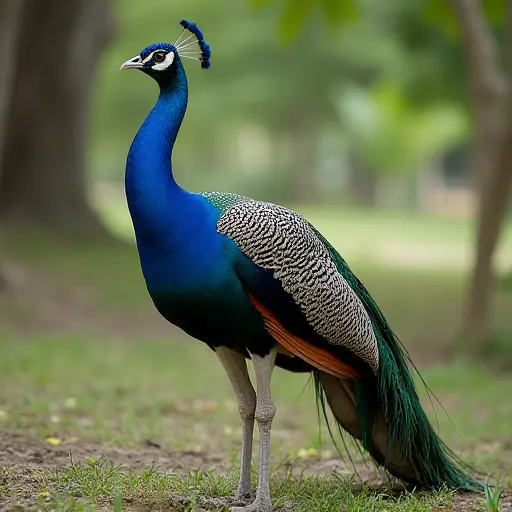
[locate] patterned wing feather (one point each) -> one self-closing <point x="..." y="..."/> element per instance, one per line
<point x="280" y="240"/>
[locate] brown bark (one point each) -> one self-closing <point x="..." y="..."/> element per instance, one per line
<point x="10" y="11"/>
<point x="44" y="160"/>
<point x="491" y="102"/>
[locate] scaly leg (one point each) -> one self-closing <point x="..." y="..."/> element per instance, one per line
<point x="265" y="410"/>
<point x="236" y="369"/>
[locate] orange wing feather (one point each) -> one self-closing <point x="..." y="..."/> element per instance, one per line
<point x="315" y="356"/>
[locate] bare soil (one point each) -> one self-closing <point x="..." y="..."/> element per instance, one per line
<point x="23" y="461"/>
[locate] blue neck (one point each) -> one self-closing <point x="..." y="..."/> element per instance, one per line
<point x="175" y="230"/>
<point x="151" y="190"/>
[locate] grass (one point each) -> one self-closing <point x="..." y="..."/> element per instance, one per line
<point x="209" y="488"/>
<point x="91" y="396"/>
<point x="492" y="499"/>
<point x="97" y="480"/>
<point x="174" y="394"/>
<point x="104" y="406"/>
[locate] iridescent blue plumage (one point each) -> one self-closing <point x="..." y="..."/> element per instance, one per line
<point x="185" y="261"/>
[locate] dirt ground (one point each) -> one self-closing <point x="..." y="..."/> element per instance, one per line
<point x="23" y="460"/>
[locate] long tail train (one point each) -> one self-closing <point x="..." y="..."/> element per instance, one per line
<point x="385" y="414"/>
<point x="402" y="441"/>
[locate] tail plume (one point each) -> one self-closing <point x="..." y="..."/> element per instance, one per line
<point x="384" y="412"/>
<point x="400" y="439"/>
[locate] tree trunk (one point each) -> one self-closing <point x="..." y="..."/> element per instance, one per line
<point x="491" y="102"/>
<point x="10" y="13"/>
<point x="493" y="206"/>
<point x="44" y="159"/>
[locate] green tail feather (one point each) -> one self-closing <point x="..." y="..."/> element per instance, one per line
<point x="393" y="394"/>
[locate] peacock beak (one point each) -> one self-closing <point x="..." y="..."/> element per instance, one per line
<point x="135" y="63"/>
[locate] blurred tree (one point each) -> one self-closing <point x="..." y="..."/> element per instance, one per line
<point x="394" y="139"/>
<point x="10" y="13"/>
<point x="43" y="180"/>
<point x="481" y="25"/>
<point x="491" y="100"/>
<point x="294" y="97"/>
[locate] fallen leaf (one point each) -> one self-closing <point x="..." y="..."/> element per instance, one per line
<point x="306" y="452"/>
<point x="54" y="441"/>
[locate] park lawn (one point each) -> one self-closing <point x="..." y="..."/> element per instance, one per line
<point x="105" y="406"/>
<point x="90" y="418"/>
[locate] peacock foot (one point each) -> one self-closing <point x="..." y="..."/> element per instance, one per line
<point x="259" y="505"/>
<point x="245" y="495"/>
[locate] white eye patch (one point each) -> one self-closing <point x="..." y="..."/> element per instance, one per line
<point x="160" y="66"/>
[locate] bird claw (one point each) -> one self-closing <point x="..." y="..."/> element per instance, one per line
<point x="245" y="494"/>
<point x="256" y="506"/>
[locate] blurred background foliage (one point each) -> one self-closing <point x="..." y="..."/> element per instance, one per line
<point x="387" y="124"/>
<point x="393" y="105"/>
<point x="330" y="92"/>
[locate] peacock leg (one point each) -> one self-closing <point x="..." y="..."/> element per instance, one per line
<point x="265" y="410"/>
<point x="236" y="369"/>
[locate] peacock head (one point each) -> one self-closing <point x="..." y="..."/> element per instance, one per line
<point x="160" y="60"/>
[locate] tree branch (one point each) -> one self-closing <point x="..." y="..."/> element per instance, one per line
<point x="485" y="71"/>
<point x="488" y="86"/>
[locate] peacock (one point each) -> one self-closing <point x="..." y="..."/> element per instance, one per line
<point x="256" y="281"/>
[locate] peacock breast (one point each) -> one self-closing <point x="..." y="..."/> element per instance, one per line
<point x="216" y="311"/>
<point x="179" y="247"/>
<point x="189" y="269"/>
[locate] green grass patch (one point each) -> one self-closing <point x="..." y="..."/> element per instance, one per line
<point x="176" y="395"/>
<point x="99" y="480"/>
<point x="99" y="484"/>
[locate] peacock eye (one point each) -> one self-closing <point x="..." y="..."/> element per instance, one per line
<point x="159" y="57"/>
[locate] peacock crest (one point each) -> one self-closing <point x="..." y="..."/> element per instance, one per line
<point x="191" y="44"/>
<point x="159" y="58"/>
